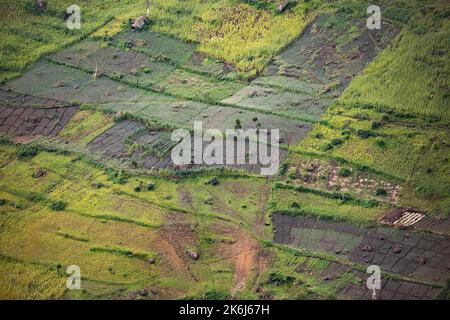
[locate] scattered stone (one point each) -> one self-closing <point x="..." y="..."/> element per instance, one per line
<point x="328" y="278"/>
<point x="151" y="261"/>
<point x="154" y="291"/>
<point x="60" y="84"/>
<point x="119" y="115"/>
<point x="367" y="248"/>
<point x="397" y="249"/>
<point x="421" y="260"/>
<point x="39" y="173"/>
<point x="143" y="292"/>
<point x="41" y="5"/>
<point x="192" y="254"/>
<point x="208" y="201"/>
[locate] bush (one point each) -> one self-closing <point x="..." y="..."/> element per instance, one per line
<point x="58" y="206"/>
<point x="295" y="205"/>
<point x="381" y="192"/>
<point x="2" y="202"/>
<point x="278" y="278"/>
<point x="327" y="147"/>
<point x="215" y="295"/>
<point x="344" y="172"/>
<point x="376" y="125"/>
<point x="364" y="134"/>
<point x="27" y="151"/>
<point x="337" y="142"/>
<point x="237" y="124"/>
<point x="214" y="181"/>
<point x="318" y="135"/>
<point x="151" y="186"/>
<point x="380" y="143"/>
<point x="116" y="177"/>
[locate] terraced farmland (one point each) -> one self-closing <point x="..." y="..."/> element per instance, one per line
<point x="87" y="176"/>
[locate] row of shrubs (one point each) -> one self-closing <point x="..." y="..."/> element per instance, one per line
<point x="343" y="197"/>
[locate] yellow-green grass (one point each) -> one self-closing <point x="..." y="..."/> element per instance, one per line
<point x="27" y="35"/>
<point x="18" y="175"/>
<point x="311" y="204"/>
<point x="412" y="75"/>
<point x="35" y="239"/>
<point x="22" y="281"/>
<point x="236" y="32"/>
<point x="85" y="126"/>
<point x="232" y="31"/>
<point x="188" y="85"/>
<point x="237" y="199"/>
<point x="7" y="153"/>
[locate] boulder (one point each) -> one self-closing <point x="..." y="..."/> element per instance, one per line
<point x="143" y="292"/>
<point x="192" y="254"/>
<point x="41" y="5"/>
<point x="397" y="249"/>
<point x="421" y="260"/>
<point x="39" y="173"/>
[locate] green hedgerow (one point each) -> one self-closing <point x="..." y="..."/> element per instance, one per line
<point x="151" y="186"/>
<point x="27" y="151"/>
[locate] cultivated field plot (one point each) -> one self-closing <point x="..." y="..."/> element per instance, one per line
<point x="330" y="175"/>
<point x="74" y="85"/>
<point x="125" y="238"/>
<point x="338" y="281"/>
<point x="169" y="50"/>
<point x="417" y="256"/>
<point x="317" y="66"/>
<point x="410" y="218"/>
<point x="333" y="50"/>
<point x="140" y="70"/>
<point x="24" y="117"/>
<point x="132" y="144"/>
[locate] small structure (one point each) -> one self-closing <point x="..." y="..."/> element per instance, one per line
<point x="139" y="23"/>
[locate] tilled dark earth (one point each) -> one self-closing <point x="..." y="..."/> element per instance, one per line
<point x="25" y="117"/>
<point x="422" y="257"/>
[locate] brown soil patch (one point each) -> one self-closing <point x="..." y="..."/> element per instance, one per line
<point x="244" y="251"/>
<point x="178" y="234"/>
<point x="24" y="139"/>
<point x="185" y="196"/>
